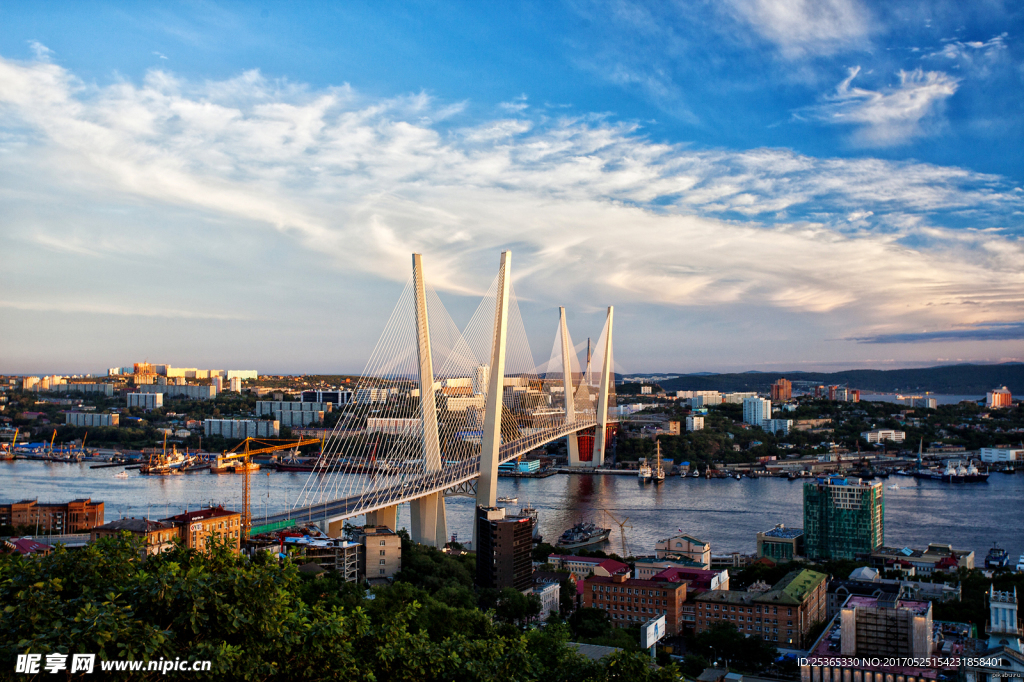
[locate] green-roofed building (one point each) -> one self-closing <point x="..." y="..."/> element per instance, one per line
<point x="782" y="615"/>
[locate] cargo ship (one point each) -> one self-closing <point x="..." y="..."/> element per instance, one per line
<point x="583" y="535"/>
<point x="955" y="472"/>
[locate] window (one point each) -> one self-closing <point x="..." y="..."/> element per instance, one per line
<point x="381" y="543"/>
<point x="383" y="561"/>
<point x="382" y="553"/>
<point x="381" y="571"/>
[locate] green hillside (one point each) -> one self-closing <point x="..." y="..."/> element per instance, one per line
<point x="955" y="379"/>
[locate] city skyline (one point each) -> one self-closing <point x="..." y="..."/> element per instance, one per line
<point x="834" y="185"/>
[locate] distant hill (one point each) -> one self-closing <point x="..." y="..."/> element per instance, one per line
<point x="953" y="379"/>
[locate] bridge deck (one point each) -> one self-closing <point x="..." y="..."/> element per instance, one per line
<point x="425" y="483"/>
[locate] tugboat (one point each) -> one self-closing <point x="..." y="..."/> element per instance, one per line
<point x="997" y="558"/>
<point x="645" y="474"/>
<point x="582" y="535"/>
<point x="659" y="472"/>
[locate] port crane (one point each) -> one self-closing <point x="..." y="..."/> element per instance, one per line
<point x="258" y="446"/>
<point x="622" y="531"/>
<point x="9" y="449"/>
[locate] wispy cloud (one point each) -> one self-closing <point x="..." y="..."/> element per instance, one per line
<point x="892" y="115"/>
<point x="802" y="28"/>
<point x="1011" y="331"/>
<point x="595" y="210"/>
<point x="87" y="307"/>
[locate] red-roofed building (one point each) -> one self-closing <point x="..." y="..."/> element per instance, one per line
<point x="629" y="601"/>
<point x="197" y="529"/>
<point x="26" y="546"/>
<point x="699" y="579"/>
<point x="584" y="566"/>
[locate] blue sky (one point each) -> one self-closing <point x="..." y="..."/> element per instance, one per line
<point x="754" y="184"/>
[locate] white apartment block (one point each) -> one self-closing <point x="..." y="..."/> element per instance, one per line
<point x="241" y="428"/>
<point x="149" y="401"/>
<point x="91" y="419"/>
<point x="756" y="410"/>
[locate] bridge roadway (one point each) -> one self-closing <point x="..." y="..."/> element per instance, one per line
<point x="424" y="484"/>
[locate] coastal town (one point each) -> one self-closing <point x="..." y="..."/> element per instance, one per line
<point x="816" y="597"/>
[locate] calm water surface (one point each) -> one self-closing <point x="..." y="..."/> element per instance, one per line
<point x="725" y="512"/>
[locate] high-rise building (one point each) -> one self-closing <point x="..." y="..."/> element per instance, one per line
<point x="504" y="546"/>
<point x="854" y="395"/>
<point x="756" y="410"/>
<point x="235" y="384"/>
<point x="843" y="517"/>
<point x="1000" y="397"/>
<point x="695" y="422"/>
<point x="782" y="390"/>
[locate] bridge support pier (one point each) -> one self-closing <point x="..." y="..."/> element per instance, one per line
<point x="388" y="516"/>
<point x="428" y="520"/>
<point x="607" y="369"/>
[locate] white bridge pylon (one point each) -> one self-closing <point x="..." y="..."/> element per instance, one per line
<point x="438" y="409"/>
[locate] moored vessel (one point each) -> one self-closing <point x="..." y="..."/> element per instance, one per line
<point x="645" y="473"/>
<point x="583" y="534"/>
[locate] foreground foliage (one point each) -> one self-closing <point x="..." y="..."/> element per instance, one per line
<point x="256" y="620"/>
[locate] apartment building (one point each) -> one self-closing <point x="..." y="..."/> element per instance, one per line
<point x="782" y="615"/>
<point x="630" y="601"/>
<point x="76" y="516"/>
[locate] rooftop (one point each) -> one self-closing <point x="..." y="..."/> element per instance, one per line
<point x="781" y="531"/>
<point x="870" y="602"/>
<point x="794" y="587"/>
<point x="630" y="582"/>
<point x="201" y="515"/>
<point x="133" y="525"/>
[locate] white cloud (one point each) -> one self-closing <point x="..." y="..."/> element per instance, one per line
<point x="889" y="116"/>
<point x="802" y="28"/>
<point x="595" y="212"/>
<point x="978" y="58"/>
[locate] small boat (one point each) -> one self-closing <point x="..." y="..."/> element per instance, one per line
<point x="123" y="474"/>
<point x="737" y="477"/>
<point x="695" y="473"/>
<point x="508" y="499"/>
<point x="894" y="487"/>
<point x="1020" y="564"/>
<point x="645" y="473"/>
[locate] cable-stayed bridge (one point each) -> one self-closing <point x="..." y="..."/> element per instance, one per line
<point x="438" y="409"/>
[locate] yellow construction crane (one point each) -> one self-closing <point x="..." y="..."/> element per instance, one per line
<point x="244" y="451"/>
<point x="9" y="449"/>
<point x="622" y="530"/>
